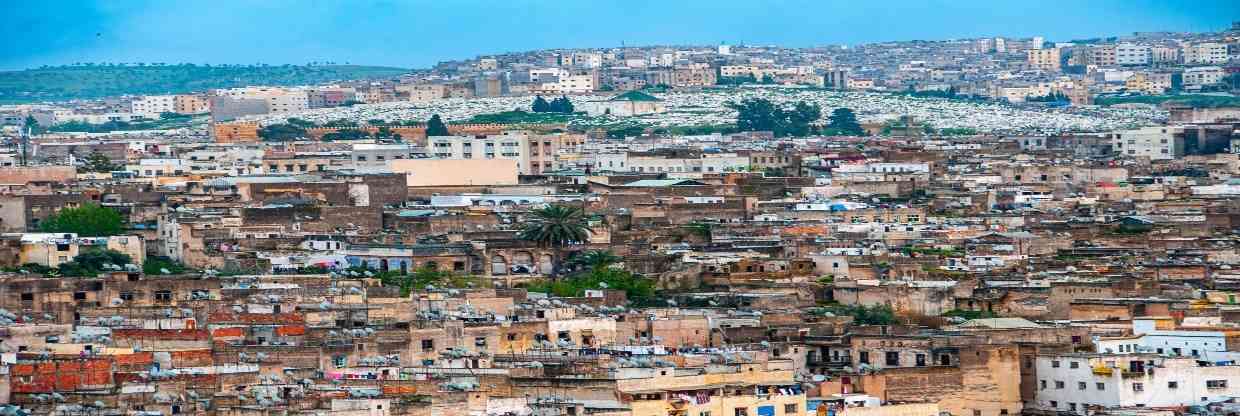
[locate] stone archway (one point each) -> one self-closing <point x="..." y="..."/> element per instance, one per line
<point x="523" y="262"/>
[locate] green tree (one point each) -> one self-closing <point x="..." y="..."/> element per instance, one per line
<point x="340" y="123"/>
<point x="540" y="105"/>
<point x="385" y="133"/>
<point x="162" y="265"/>
<point x="594" y="260"/>
<point x="281" y="132"/>
<point x="635" y="287"/>
<point x="556" y="226"/>
<point x="561" y="105"/>
<point x="98" y="162"/>
<point x="435" y="127"/>
<point x="756" y="114"/>
<point x="93" y="261"/>
<point x="843" y="121"/>
<point x="87" y="220"/>
<point x="799" y="119"/>
<point x="33" y="124"/>
<point x="305" y="124"/>
<point x="346" y="134"/>
<point x="863" y="315"/>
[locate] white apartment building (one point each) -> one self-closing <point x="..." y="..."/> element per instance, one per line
<point x="1166" y="343"/>
<point x="157" y="167"/>
<point x="1155" y="142"/>
<point x="740" y="71"/>
<point x="1073" y="383"/>
<point x="534" y="154"/>
<point x="545" y="75"/>
<point x="376" y="156"/>
<point x="680" y="167"/>
<point x="152" y="106"/>
<point x="611" y="162"/>
<point x="1164" y="54"/>
<point x="1132" y="54"/>
<point x="279" y="100"/>
<point x="573" y="84"/>
<point x="884" y="167"/>
<point x="1203" y="76"/>
<point x="588" y="59"/>
<point x="424" y="93"/>
<point x="1209" y="53"/>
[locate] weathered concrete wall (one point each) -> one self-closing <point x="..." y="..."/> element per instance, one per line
<point x="27" y="174"/>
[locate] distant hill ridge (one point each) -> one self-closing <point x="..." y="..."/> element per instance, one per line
<point x="97" y="81"/>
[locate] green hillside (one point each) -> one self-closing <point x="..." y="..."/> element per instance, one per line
<point x="96" y="81"/>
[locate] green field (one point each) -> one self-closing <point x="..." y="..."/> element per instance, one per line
<point x="97" y="81"/>
<point x="1195" y="100"/>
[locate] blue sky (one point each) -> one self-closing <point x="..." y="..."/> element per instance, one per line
<point x="416" y="33"/>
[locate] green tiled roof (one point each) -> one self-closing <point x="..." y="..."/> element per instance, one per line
<point x="635" y="96"/>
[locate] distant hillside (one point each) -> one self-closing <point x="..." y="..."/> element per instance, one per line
<point x="97" y="81"/>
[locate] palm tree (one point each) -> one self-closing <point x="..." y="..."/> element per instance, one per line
<point x="594" y="260"/>
<point x="556" y="226"/>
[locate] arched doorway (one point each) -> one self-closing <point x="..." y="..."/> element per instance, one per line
<point x="522" y="262"/>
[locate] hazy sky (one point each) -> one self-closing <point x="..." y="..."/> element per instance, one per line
<point x="419" y="33"/>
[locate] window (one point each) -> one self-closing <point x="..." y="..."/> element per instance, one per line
<point x="480" y="341"/>
<point x="1081" y="385"/>
<point x="1042" y="383"/>
<point x="1141" y="387"/>
<point x="163" y="295"/>
<point x="428" y="345"/>
<point x="1072" y="407"/>
<point x="1059" y="385"/>
<point x="704" y="413"/>
<point x="126" y="296"/>
<point x="1074" y="364"/>
<point x="864" y="357"/>
<point x="1055" y="364"/>
<point x="893" y="358"/>
<point x="741" y="411"/>
<point x="1054" y="404"/>
<point x="1173" y="385"/>
<point x="512" y="336"/>
<point x="790" y="409"/>
<point x="1216" y="384"/>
